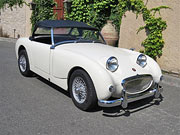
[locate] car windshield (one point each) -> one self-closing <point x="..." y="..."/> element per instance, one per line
<point x="78" y="35"/>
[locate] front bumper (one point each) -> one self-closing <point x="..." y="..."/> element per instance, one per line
<point x="125" y="99"/>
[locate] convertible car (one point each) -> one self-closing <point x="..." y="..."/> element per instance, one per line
<point x="74" y="56"/>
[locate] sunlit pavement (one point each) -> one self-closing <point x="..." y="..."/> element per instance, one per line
<point x="33" y="106"/>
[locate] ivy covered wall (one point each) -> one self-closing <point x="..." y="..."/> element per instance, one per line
<point x="169" y="61"/>
<point x="97" y="12"/>
<point x="11" y="3"/>
<point x="42" y="11"/>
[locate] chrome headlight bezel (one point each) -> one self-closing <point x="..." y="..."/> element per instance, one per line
<point x="112" y="64"/>
<point x="142" y="60"/>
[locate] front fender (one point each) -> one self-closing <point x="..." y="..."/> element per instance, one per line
<point x="64" y="61"/>
<point x="154" y="69"/>
<point x="26" y="43"/>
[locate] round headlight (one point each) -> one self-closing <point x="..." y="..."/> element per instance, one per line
<point x="142" y="60"/>
<point x="112" y="64"/>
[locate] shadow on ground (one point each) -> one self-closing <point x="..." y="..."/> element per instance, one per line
<point x="112" y="111"/>
<point x="53" y="85"/>
<point x="132" y="107"/>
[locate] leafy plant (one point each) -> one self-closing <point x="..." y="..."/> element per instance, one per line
<point x="43" y="11"/>
<point x="154" y="26"/>
<point x="11" y="3"/>
<point x="94" y="12"/>
<point x="97" y="12"/>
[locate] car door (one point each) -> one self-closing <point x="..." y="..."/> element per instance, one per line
<point x="40" y="48"/>
<point x="41" y="56"/>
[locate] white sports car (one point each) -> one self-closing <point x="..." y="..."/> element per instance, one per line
<point x="74" y="56"/>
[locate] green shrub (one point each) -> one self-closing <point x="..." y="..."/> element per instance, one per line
<point x="97" y="12"/>
<point x="43" y="11"/>
<point x="11" y="3"/>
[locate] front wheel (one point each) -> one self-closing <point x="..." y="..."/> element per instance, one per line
<point x="82" y="90"/>
<point x="23" y="63"/>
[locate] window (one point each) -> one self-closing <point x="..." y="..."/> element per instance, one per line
<point x="62" y="31"/>
<point x="43" y="31"/>
<point x="42" y="35"/>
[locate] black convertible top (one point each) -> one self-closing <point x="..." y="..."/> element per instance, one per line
<point x="63" y="24"/>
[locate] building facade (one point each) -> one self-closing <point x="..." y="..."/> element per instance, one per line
<point x="16" y="22"/>
<point x="170" y="60"/>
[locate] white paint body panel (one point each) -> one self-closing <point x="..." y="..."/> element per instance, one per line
<point x="55" y="64"/>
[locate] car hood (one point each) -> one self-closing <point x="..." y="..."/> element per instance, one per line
<point x="100" y="53"/>
<point x="97" y="51"/>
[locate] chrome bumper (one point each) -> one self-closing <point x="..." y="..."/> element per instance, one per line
<point x="125" y="99"/>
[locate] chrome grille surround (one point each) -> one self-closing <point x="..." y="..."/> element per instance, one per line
<point x="137" y="84"/>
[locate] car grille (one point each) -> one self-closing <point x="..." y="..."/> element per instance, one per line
<point x="137" y="84"/>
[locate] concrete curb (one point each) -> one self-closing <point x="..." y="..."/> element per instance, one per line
<point x="168" y="79"/>
<point x="12" y="40"/>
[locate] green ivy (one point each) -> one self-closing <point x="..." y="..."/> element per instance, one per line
<point x="97" y="12"/>
<point x="154" y="26"/>
<point x="11" y="3"/>
<point x="94" y="12"/>
<point x="43" y="11"/>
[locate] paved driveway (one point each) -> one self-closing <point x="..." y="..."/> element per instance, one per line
<point x="33" y="106"/>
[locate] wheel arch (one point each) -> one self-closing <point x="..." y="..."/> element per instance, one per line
<point x="72" y="70"/>
<point x="26" y="71"/>
<point x="101" y="85"/>
<point x="21" y="47"/>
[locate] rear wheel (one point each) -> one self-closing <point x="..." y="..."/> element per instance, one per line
<point x="82" y="90"/>
<point x="23" y="63"/>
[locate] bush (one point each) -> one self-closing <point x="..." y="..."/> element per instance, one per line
<point x="43" y="11"/>
<point x="97" y="12"/>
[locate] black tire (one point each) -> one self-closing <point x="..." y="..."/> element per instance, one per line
<point x="91" y="97"/>
<point x="26" y="68"/>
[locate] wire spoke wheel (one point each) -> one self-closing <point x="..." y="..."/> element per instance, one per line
<point x="82" y="90"/>
<point x="79" y="90"/>
<point x="22" y="63"/>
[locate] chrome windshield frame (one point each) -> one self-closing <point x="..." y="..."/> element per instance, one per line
<point x="69" y="41"/>
<point x="52" y="38"/>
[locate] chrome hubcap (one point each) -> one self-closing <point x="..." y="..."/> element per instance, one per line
<point x="79" y="90"/>
<point x="22" y="63"/>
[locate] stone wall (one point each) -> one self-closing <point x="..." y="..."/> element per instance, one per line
<point x="170" y="60"/>
<point x="15" y="23"/>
